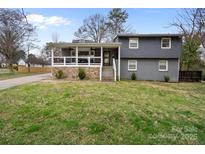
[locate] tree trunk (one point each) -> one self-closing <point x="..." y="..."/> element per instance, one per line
<point x="11" y="67"/>
<point x="29" y="65"/>
<point x="188" y="66"/>
<point x="29" y="68"/>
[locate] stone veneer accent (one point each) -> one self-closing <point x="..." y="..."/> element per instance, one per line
<point x="72" y="72"/>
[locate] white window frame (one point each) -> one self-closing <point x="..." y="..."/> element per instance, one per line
<point x="170" y="43"/>
<point x="132" y="61"/>
<point x="136" y="39"/>
<point x="163" y="70"/>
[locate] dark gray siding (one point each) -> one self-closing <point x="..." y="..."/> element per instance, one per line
<point x="147" y="69"/>
<point x="150" y="47"/>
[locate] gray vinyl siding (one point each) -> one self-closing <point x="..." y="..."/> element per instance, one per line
<point x="150" y="47"/>
<point x="147" y="69"/>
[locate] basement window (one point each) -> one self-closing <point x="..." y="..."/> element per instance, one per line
<point x="132" y="65"/>
<point x="163" y="65"/>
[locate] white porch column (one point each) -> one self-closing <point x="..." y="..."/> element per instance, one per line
<point x="52" y="57"/>
<point x="76" y="55"/>
<point x="119" y="63"/>
<point x="88" y="61"/>
<point x="64" y="61"/>
<point x="101" y="63"/>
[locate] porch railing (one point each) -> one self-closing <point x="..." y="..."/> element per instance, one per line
<point x="73" y="60"/>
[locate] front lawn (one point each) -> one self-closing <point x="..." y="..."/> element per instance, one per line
<point x="88" y="112"/>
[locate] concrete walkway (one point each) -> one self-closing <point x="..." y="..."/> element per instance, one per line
<point x="4" y="84"/>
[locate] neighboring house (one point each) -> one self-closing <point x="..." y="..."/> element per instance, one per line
<point x="149" y="56"/>
<point x="21" y="62"/>
<point x="2" y="61"/>
<point x="3" y="65"/>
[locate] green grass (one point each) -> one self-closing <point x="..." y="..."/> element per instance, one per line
<point x="89" y="112"/>
<point x="10" y="75"/>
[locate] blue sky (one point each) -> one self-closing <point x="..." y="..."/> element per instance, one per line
<point x="65" y="22"/>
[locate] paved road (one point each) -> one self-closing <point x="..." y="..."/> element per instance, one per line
<point x="4" y="84"/>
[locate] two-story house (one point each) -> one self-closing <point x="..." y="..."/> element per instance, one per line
<point x="149" y="56"/>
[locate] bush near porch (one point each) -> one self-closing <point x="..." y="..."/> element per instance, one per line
<point x="71" y="73"/>
<point x="84" y="112"/>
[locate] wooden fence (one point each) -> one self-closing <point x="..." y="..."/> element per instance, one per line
<point x="190" y="76"/>
<point x="24" y="69"/>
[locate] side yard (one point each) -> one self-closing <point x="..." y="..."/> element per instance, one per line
<point x="88" y="112"/>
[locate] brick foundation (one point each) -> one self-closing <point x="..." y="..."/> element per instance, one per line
<point x="71" y="73"/>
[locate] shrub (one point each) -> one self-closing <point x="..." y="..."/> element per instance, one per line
<point x="133" y="76"/>
<point x="166" y="78"/>
<point x="81" y="74"/>
<point x="60" y="74"/>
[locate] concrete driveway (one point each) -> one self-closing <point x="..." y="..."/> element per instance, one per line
<point x="4" y="84"/>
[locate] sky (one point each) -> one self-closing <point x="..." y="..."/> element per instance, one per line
<point x="64" y="22"/>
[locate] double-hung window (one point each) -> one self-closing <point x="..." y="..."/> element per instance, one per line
<point x="133" y="43"/>
<point x="166" y="43"/>
<point x="132" y="65"/>
<point x="163" y="65"/>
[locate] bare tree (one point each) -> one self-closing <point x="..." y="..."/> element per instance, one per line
<point x="94" y="28"/>
<point x="46" y="50"/>
<point x="46" y="54"/>
<point x="44" y="60"/>
<point x="32" y="59"/>
<point x="30" y="45"/>
<point x="191" y="23"/>
<point x="31" y="41"/>
<point x="14" y="33"/>
<point x="55" y="39"/>
<point x="201" y="25"/>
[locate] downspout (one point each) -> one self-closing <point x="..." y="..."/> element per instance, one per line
<point x="119" y="63"/>
<point x="101" y="64"/>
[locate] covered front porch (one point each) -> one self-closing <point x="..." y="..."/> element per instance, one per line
<point x="95" y="55"/>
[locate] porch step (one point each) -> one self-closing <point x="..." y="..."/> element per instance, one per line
<point x="107" y="73"/>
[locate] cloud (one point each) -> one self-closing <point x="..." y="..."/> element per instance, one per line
<point x="45" y="21"/>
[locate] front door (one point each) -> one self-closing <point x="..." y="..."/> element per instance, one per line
<point x="106" y="58"/>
